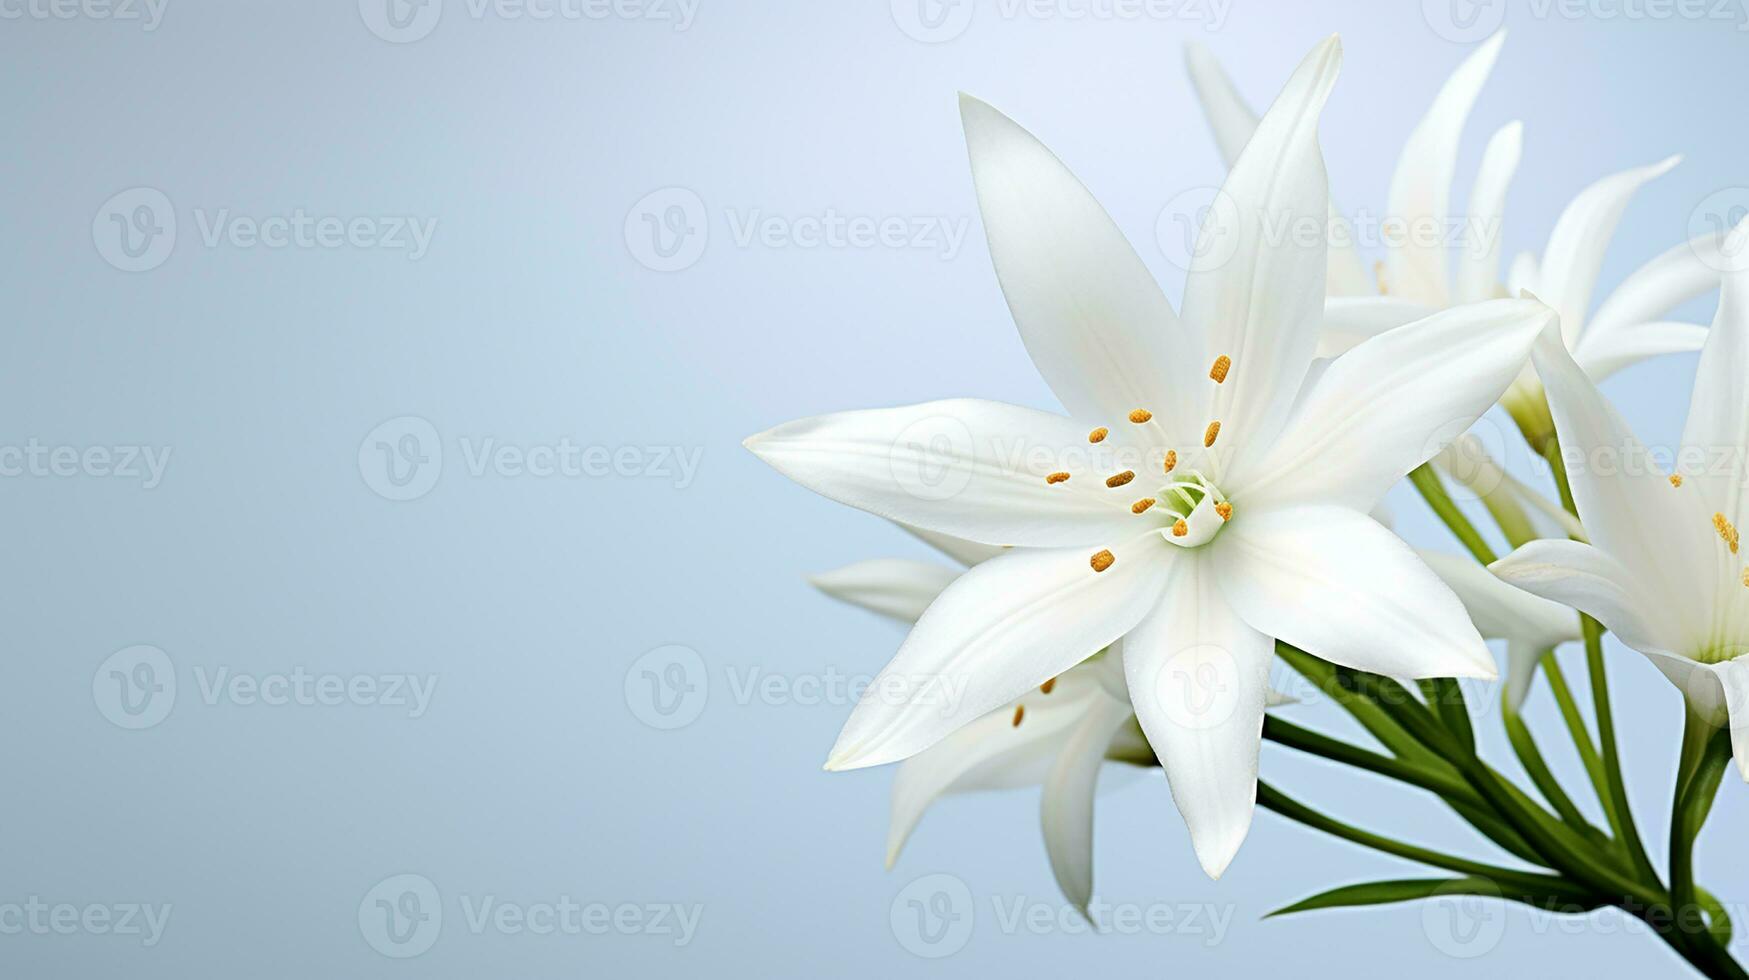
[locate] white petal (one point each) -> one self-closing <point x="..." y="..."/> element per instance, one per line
<point x="1348" y="320"/>
<point x="1719" y="693"/>
<point x="1007" y="625"/>
<point x="1256" y="285"/>
<point x="1094" y="320"/>
<point x="1590" y="580"/>
<point x="1718" y="410"/>
<point x="1197" y="677"/>
<point x="1336" y="584"/>
<point x="969" y="468"/>
<point x="1478" y="259"/>
<point x="1734" y="676"/>
<point x="1530" y="624"/>
<point x="1601" y="354"/>
<point x="1467" y="461"/>
<point x="1575" y="252"/>
<point x="1066" y="807"/>
<point x="894" y="587"/>
<point x="1664" y="534"/>
<point x="1421" y="187"/>
<point x="967" y="553"/>
<point x="990" y="753"/>
<point x="1523" y="275"/>
<point x="1233" y="122"/>
<point x="1391" y="403"/>
<point x="1661" y="285"/>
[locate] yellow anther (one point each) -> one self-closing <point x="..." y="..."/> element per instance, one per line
<point x="1102" y="561"/>
<point x="1208" y="438"/>
<point x="1746" y="578"/>
<point x="1225" y="510"/>
<point x="1140" y="415"/>
<point x="1056" y="477"/>
<point x="1047" y="686"/>
<point x="1180" y="529"/>
<point x="1171" y="460"/>
<point x="1019" y="713"/>
<point x="1222" y="365"/>
<point x="1120" y="479"/>
<point x="1727" y="531"/>
<point x="1141" y="505"/>
<point x="1378" y="270"/>
<point x="1676" y="479"/>
<point x="1098" y="435"/>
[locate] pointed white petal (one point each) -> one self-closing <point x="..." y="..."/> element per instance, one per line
<point x="1348" y="320"/>
<point x="894" y="587"/>
<point x="1420" y="194"/>
<point x="1391" y="403"/>
<point x="1004" y="627"/>
<point x="967" y="553"/>
<point x="1467" y="462"/>
<point x="1601" y="354"/>
<point x="1590" y="580"/>
<point x="970" y="468"/>
<point x="1335" y="583"/>
<point x="1718" y="411"/>
<point x="1256" y="285"/>
<point x="1478" y="258"/>
<point x="1066" y="807"/>
<point x="1530" y="624"/>
<point x="1575" y="252"/>
<point x="1719" y="693"/>
<point x="1734" y="677"/>
<point x="1197" y="677"/>
<point x="1523" y="275"/>
<point x="1661" y="285"/>
<point x="1092" y="317"/>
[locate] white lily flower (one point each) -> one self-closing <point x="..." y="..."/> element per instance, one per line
<point x="1528" y="623"/>
<point x="1662" y="571"/>
<point x="1250" y="522"/>
<point x="1420" y="274"/>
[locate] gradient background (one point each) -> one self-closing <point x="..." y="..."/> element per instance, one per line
<point x="532" y="319"/>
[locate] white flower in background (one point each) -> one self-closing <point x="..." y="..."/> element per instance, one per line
<point x="1420" y="273"/>
<point x="1529" y="624"/>
<point x="1663" y="570"/>
<point x="1255" y="473"/>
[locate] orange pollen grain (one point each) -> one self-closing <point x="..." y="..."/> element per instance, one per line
<point x="1171" y="460"/>
<point x="1225" y="510"/>
<point x="1378" y="270"/>
<point x="1120" y="479"/>
<point x="1098" y="435"/>
<point x="1141" y="505"/>
<point x="1208" y="438"/>
<point x="1047" y="686"/>
<point x="1223" y="364"/>
<point x="1180" y="529"/>
<point x="1727" y="531"/>
<point x="1019" y="713"/>
<point x="1102" y="561"/>
<point x="1056" y="477"/>
<point x="1676" y="479"/>
<point x="1140" y="415"/>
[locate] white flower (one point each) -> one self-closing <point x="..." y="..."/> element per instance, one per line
<point x="1529" y="624"/>
<point x="1420" y="273"/>
<point x="1255" y="473"/>
<point x="1663" y="570"/>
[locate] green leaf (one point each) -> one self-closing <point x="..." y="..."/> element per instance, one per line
<point x="1386" y="892"/>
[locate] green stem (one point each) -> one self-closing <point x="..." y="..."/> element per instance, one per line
<point x="1576" y="726"/>
<point x="1524" y="744"/>
<point x="1433" y="491"/>
<point x="1621" y="816"/>
<point x="1697" y="785"/>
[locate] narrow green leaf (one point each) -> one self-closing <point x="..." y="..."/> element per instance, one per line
<point x="1387" y="892"/>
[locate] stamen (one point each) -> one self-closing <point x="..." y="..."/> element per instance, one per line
<point x="1120" y="479"/>
<point x="1140" y="415"/>
<point x="1225" y="510"/>
<point x="1676" y="479"/>
<point x="1727" y="531"/>
<point x="1102" y="561"/>
<point x="1047" y="686"/>
<point x="1180" y="529"/>
<point x="1219" y="372"/>
<point x="1056" y="477"/>
<point x="1214" y="429"/>
<point x="1098" y="435"/>
<point x="1746" y="578"/>
<point x="1019" y="713"/>
<point x="1141" y="505"/>
<point x="1378" y="271"/>
<point x="1171" y="460"/>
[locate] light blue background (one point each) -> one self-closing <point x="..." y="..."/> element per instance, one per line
<point x="531" y="320"/>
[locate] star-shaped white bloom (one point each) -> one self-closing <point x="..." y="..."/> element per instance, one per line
<point x="1663" y="569"/>
<point x="1208" y="493"/>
